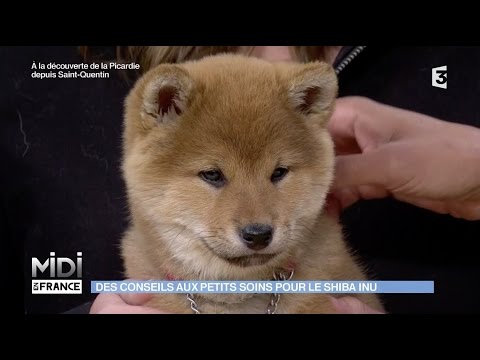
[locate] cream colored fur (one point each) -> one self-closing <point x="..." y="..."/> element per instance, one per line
<point x="245" y="117"/>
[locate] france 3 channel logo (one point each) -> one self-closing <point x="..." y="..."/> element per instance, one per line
<point x="439" y="77"/>
<point x="57" y="270"/>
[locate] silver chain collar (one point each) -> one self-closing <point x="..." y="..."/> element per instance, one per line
<point x="274" y="297"/>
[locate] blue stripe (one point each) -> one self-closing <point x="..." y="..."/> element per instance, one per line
<point x="260" y="287"/>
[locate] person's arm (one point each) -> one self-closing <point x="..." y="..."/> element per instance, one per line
<point x="382" y="150"/>
<point x="385" y="151"/>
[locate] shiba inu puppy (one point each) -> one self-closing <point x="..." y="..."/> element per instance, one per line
<point x="227" y="163"/>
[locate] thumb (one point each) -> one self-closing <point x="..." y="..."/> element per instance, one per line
<point x="136" y="298"/>
<point x="371" y="168"/>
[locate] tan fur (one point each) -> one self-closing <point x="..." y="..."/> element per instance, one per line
<point x="244" y="116"/>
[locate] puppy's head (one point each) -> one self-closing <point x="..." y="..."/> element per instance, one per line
<point x="227" y="160"/>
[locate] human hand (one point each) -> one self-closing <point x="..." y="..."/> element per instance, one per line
<point x="351" y="305"/>
<point x="382" y="151"/>
<point x="123" y="304"/>
<point x="134" y="304"/>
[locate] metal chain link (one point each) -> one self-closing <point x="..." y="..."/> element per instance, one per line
<point x="193" y="304"/>
<point x="274" y="298"/>
<point x="273" y="304"/>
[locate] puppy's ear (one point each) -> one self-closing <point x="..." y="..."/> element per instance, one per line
<point x="311" y="88"/>
<point x="167" y="93"/>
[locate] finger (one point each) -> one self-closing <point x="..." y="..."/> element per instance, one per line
<point x="341" y="129"/>
<point x="372" y="168"/>
<point x="348" y="196"/>
<point x="351" y="305"/>
<point x="345" y="146"/>
<point x="136" y="299"/>
<point x="465" y="211"/>
<point x="333" y="207"/>
<point x="359" y="123"/>
<point x="343" y="119"/>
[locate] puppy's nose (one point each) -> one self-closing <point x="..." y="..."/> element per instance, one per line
<point x="256" y="236"/>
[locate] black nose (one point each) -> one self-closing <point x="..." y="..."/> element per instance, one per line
<point x="257" y="236"/>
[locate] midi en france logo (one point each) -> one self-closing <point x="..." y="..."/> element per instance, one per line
<point x="60" y="275"/>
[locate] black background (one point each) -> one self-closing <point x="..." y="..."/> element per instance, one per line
<point x="399" y="241"/>
<point x="60" y="141"/>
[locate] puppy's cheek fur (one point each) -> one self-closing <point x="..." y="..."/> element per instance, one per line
<point x="215" y="118"/>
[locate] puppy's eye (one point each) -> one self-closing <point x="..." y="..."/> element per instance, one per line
<point x="213" y="177"/>
<point x="278" y="174"/>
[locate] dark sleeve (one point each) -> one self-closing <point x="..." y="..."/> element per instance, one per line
<point x="82" y="309"/>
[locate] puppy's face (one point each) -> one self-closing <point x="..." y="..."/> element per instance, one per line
<point x="227" y="160"/>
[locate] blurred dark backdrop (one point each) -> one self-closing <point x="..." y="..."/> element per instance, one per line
<point x="62" y="190"/>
